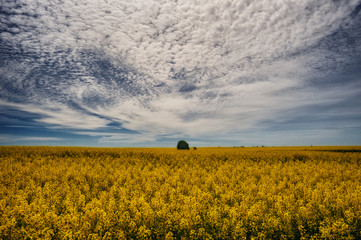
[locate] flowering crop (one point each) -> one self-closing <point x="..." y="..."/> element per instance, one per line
<point x="161" y="193"/>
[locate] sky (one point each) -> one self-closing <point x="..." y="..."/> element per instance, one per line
<point x="147" y="73"/>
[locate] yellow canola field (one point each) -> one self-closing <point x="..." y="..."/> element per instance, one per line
<point x="162" y="193"/>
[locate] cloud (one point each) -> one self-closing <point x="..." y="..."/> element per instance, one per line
<point x="120" y="138"/>
<point x="7" y="138"/>
<point x="54" y="115"/>
<point x="40" y="139"/>
<point x="156" y="36"/>
<point x="193" y="68"/>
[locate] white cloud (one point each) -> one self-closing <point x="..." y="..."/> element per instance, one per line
<point x="204" y="34"/>
<point x="59" y="116"/>
<point x="40" y="139"/>
<point x="8" y="138"/>
<point x="124" y="138"/>
<point x="225" y="65"/>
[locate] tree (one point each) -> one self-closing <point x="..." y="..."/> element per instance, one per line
<point x="182" y="145"/>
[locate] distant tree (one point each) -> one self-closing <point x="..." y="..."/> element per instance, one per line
<point x="195" y="148"/>
<point x="182" y="145"/>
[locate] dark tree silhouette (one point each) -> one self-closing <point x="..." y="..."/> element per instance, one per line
<point x="183" y="145"/>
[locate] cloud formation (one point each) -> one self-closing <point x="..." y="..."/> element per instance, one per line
<point x="176" y="68"/>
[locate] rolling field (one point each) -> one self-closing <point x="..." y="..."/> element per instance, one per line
<point x="163" y="193"/>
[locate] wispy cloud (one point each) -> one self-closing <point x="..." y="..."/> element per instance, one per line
<point x="176" y="68"/>
<point x="8" y="138"/>
<point x="54" y="115"/>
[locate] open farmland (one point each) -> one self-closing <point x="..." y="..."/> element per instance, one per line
<point x="162" y="193"/>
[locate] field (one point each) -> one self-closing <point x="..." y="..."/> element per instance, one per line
<point x="162" y="193"/>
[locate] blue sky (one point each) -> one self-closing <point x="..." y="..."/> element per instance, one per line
<point x="149" y="73"/>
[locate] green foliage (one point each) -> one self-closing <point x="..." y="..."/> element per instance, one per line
<point x="182" y="145"/>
